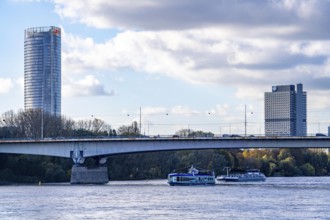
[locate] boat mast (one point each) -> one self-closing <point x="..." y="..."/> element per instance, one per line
<point x="227" y="169"/>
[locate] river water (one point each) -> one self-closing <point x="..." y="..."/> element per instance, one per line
<point x="277" y="198"/>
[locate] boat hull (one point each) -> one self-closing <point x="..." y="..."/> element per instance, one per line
<point x="188" y="184"/>
<point x="189" y="180"/>
<point x="241" y="179"/>
<point x="250" y="176"/>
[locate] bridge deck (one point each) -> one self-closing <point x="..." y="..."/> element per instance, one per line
<point x="112" y="146"/>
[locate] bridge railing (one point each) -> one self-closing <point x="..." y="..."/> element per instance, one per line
<point x="223" y="136"/>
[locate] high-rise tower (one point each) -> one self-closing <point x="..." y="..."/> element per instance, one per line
<point x="42" y="69"/>
<point x="286" y="111"/>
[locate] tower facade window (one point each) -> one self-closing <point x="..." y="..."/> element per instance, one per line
<point x="42" y="69"/>
<point x="286" y="111"/>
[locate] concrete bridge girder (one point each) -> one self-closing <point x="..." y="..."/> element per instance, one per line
<point x="77" y="149"/>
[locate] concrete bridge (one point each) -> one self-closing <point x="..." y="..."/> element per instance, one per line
<point x="102" y="148"/>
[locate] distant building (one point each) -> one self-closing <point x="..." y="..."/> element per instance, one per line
<point x="328" y="130"/>
<point x="286" y="111"/>
<point x="42" y="69"/>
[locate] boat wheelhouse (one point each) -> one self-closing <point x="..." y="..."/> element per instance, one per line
<point x="193" y="177"/>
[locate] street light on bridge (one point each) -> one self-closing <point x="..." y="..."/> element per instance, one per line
<point x="245" y="121"/>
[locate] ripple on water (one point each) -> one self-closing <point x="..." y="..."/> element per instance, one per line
<point x="276" y="198"/>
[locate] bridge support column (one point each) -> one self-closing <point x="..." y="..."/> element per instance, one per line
<point x="85" y="175"/>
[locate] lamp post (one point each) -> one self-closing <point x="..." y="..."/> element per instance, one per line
<point x="140" y="122"/>
<point x="245" y="121"/>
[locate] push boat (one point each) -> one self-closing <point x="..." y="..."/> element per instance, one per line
<point x="193" y="177"/>
<point x="252" y="175"/>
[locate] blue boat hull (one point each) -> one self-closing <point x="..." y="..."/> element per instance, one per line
<point x="188" y="180"/>
<point x="189" y="184"/>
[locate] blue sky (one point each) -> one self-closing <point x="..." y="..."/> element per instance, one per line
<point x="186" y="64"/>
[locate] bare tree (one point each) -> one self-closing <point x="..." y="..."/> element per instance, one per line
<point x="98" y="125"/>
<point x="183" y="132"/>
<point x="35" y="123"/>
<point x="132" y="130"/>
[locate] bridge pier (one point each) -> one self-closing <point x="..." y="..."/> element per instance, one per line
<point x="87" y="175"/>
<point x="84" y="175"/>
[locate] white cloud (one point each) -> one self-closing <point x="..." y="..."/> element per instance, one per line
<point x="311" y="48"/>
<point x="5" y="85"/>
<point x="317" y="100"/>
<point x="119" y="79"/>
<point x="251" y="93"/>
<point x="248" y="45"/>
<point x="20" y="82"/>
<point x="150" y="110"/>
<point x="88" y="86"/>
<point x="193" y="57"/>
<point x="304" y="9"/>
<point x="30" y="0"/>
<point x="183" y="110"/>
<point x="220" y="110"/>
<point x="186" y="14"/>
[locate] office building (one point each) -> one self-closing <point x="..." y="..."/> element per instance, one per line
<point x="286" y="111"/>
<point x="42" y="69"/>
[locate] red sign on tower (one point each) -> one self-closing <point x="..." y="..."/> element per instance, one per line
<point x="56" y="31"/>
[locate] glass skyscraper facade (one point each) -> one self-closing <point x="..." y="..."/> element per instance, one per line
<point x="286" y="111"/>
<point x="42" y="69"/>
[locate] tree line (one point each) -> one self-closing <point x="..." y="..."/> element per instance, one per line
<point x="35" y="123"/>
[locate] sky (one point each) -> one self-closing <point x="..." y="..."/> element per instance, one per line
<point x="200" y="65"/>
